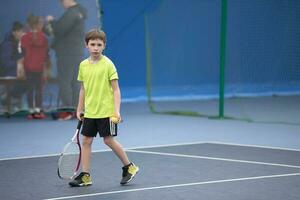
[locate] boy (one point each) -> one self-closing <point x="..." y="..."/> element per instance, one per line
<point x="100" y="99"/>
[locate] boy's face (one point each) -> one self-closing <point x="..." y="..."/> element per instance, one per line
<point x="95" y="47"/>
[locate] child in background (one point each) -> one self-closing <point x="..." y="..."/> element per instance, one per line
<point x="35" y="50"/>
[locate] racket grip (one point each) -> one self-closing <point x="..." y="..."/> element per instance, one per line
<point x="79" y="124"/>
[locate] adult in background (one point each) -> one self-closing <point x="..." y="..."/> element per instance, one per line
<point x="68" y="43"/>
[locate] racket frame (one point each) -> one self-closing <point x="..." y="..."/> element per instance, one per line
<point x="75" y="139"/>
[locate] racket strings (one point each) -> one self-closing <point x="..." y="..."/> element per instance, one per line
<point x="69" y="161"/>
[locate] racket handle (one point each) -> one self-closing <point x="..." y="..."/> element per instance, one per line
<point x="79" y="124"/>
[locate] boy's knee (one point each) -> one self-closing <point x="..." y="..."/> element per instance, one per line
<point x="87" y="141"/>
<point x="108" y="140"/>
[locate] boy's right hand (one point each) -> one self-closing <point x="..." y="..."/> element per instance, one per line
<point x="79" y="115"/>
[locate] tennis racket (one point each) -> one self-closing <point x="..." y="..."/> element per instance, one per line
<point x="69" y="160"/>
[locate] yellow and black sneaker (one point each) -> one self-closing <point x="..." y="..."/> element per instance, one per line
<point x="129" y="171"/>
<point x="83" y="179"/>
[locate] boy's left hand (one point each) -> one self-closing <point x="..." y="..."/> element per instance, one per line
<point x="116" y="118"/>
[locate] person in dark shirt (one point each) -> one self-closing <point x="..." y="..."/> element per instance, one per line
<point x="10" y="59"/>
<point x="68" y="43"/>
<point x="10" y="51"/>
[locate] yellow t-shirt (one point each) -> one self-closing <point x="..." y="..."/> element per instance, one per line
<point x="96" y="78"/>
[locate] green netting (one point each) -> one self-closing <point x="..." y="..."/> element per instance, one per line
<point x="256" y="44"/>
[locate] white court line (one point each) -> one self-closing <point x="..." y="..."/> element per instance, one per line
<point x="37" y="156"/>
<point x="104" y="150"/>
<point x="214" y="158"/>
<point x="175" y="186"/>
<point x="28" y="157"/>
<point x="157" y="146"/>
<point x="255" y="146"/>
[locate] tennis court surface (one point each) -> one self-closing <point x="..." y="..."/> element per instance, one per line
<point x="214" y="171"/>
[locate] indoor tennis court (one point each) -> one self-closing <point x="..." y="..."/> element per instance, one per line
<point x="194" y="157"/>
<point x="210" y="103"/>
<point x="183" y="171"/>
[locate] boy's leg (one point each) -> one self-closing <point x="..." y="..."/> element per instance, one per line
<point x="86" y="153"/>
<point x="117" y="149"/>
<point x="129" y="169"/>
<point x="84" y="178"/>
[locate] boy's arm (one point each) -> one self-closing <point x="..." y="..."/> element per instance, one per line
<point x="117" y="97"/>
<point x="80" y="106"/>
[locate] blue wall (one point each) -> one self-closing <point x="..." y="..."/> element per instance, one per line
<point x="262" y="54"/>
<point x="263" y="42"/>
<point x="123" y="21"/>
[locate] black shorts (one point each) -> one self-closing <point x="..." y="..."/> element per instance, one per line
<point x="102" y="126"/>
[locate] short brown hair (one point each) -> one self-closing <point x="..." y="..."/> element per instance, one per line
<point x="95" y="34"/>
<point x="32" y="20"/>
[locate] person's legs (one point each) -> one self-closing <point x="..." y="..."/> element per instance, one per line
<point x="17" y="92"/>
<point x="34" y="95"/>
<point x="64" y="77"/>
<point x="86" y="153"/>
<point x="129" y="169"/>
<point x="89" y="131"/>
<point x="38" y="89"/>
<point x="30" y="88"/>
<point x="84" y="178"/>
<point x="39" y="92"/>
<point x="67" y="70"/>
<point x="117" y="149"/>
<point x="75" y="84"/>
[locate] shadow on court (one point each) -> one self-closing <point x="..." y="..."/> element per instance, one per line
<point x="191" y="171"/>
